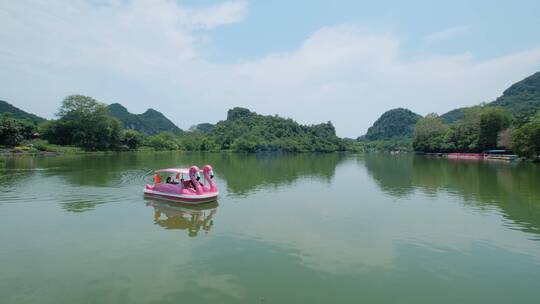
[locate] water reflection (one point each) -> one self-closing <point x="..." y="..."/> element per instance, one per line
<point x="512" y="189"/>
<point x="177" y="216"/>
<point x="392" y="174"/>
<point x="82" y="182"/>
<point x="244" y="173"/>
<point x="80" y="206"/>
<point x="319" y="221"/>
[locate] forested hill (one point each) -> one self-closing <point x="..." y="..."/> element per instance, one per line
<point x="521" y="97"/>
<point x="454" y="115"/>
<point x="396" y="123"/>
<point x="149" y="122"/>
<point x="244" y="130"/>
<point x="6" y="107"/>
<point x="202" y="127"/>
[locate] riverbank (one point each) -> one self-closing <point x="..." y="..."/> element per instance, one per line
<point x="62" y="150"/>
<point x="36" y="147"/>
<point x="481" y="156"/>
<point x="39" y="147"/>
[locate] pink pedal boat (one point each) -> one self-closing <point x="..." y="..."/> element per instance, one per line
<point x="189" y="191"/>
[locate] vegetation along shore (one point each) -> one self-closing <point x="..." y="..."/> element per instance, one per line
<point x="86" y="125"/>
<point x="82" y="125"/>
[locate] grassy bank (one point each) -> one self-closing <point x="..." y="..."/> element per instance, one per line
<point x="40" y="147"/>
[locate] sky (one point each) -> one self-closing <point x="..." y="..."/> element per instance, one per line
<point x="314" y="61"/>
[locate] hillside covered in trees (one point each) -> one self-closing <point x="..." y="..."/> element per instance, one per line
<point x="481" y="128"/>
<point x="149" y="122"/>
<point x="391" y="132"/>
<point x="478" y="130"/>
<point x="17" y="113"/>
<point x="512" y="121"/>
<point x="393" y="123"/>
<point x="85" y="123"/>
<point x="202" y="127"/>
<point x="519" y="99"/>
<point x="244" y="130"/>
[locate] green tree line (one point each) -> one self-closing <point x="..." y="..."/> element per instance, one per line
<point x="480" y="128"/>
<point x="86" y="123"/>
<point x="13" y="131"/>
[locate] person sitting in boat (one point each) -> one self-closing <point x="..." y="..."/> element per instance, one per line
<point x="169" y="180"/>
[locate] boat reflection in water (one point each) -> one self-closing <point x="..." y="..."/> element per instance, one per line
<point x="174" y="215"/>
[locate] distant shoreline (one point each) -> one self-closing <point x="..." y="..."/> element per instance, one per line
<point x="14" y="152"/>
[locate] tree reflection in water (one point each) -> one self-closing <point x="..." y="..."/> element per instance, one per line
<point x="511" y="188"/>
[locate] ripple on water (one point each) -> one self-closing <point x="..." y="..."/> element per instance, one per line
<point x="132" y="177"/>
<point x="32" y="186"/>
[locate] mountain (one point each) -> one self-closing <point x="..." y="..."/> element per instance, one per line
<point x="149" y="122"/>
<point x="523" y="96"/>
<point x="452" y="116"/>
<point x="244" y="130"/>
<point x="393" y="124"/>
<point x="6" y="107"/>
<point x="202" y="127"/>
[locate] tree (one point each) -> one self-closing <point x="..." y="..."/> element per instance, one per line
<point x="248" y="131"/>
<point x="78" y="106"/>
<point x="245" y="144"/>
<point x="132" y="139"/>
<point x="526" y="139"/>
<point x="202" y="127"/>
<point x="207" y="144"/>
<point x="429" y="134"/>
<point x="463" y="133"/>
<point x="196" y="141"/>
<point x="10" y="131"/>
<point x="162" y="141"/>
<point x="504" y="138"/>
<point x="13" y="131"/>
<point x="492" y="121"/>
<point x="86" y="123"/>
<point x="394" y="123"/>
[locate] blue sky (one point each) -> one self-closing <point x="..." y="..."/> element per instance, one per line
<point x="490" y="28"/>
<point x="340" y="61"/>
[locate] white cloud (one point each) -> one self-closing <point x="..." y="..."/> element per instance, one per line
<point x="221" y="14"/>
<point x="148" y="54"/>
<point x="447" y="33"/>
<point x="351" y="77"/>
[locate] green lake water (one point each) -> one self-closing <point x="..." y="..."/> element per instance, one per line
<point x="307" y="228"/>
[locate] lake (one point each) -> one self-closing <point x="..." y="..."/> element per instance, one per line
<point x="304" y="228"/>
